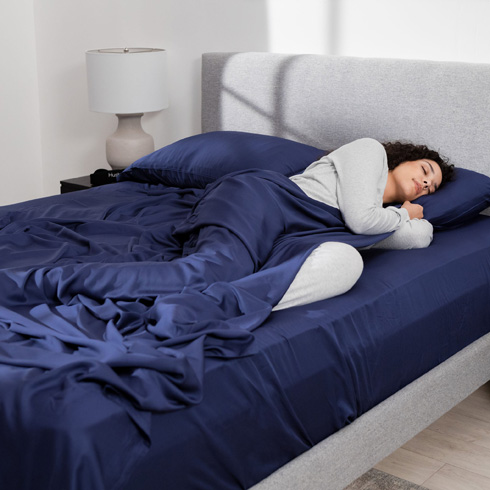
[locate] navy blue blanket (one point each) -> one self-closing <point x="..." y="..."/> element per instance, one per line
<point x="125" y="290"/>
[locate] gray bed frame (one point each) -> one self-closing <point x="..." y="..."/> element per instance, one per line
<point x="327" y="101"/>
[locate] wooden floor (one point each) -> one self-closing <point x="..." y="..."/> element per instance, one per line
<point x="451" y="454"/>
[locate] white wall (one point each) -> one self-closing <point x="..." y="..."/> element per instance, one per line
<point x="74" y="138"/>
<point x="446" y="30"/>
<point x="47" y="132"/>
<point x="20" y="141"/>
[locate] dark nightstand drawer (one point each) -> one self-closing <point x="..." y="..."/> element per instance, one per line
<point x="77" y="184"/>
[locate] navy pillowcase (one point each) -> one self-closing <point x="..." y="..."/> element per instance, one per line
<point x="458" y="200"/>
<point x="201" y="159"/>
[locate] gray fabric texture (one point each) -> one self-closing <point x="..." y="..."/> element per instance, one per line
<point x="328" y="101"/>
<point x="331" y="269"/>
<point x="414" y="233"/>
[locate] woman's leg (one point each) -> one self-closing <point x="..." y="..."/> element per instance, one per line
<point x="330" y="270"/>
<point x="216" y="254"/>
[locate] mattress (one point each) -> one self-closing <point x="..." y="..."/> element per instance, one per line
<point x="312" y="369"/>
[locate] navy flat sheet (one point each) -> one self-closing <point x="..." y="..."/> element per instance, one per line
<point x="320" y="366"/>
<point x="112" y="300"/>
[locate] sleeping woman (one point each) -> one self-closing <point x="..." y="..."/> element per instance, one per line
<point x="239" y="222"/>
<point x="359" y="179"/>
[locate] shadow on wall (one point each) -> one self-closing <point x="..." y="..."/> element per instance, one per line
<point x="242" y="99"/>
<point x="333" y="31"/>
<point x="223" y="27"/>
<point x="263" y="97"/>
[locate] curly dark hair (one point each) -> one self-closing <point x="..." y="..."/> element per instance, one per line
<point x="399" y="152"/>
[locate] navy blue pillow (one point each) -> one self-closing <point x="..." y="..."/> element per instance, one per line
<point x="201" y="159"/>
<point x="457" y="201"/>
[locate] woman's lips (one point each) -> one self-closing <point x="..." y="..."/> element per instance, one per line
<point x="418" y="187"/>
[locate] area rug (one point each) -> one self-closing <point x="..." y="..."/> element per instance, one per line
<point x="379" y="480"/>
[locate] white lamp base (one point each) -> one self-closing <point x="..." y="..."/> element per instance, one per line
<point x="129" y="142"/>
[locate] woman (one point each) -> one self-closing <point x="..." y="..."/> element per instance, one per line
<point x="226" y="238"/>
<point x="359" y="179"/>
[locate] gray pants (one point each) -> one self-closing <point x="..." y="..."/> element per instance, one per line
<point x="331" y="269"/>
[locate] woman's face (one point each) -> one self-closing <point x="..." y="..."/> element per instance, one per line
<point x="416" y="178"/>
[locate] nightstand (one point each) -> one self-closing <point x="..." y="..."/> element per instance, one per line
<point x="99" y="177"/>
<point x="77" y="184"/>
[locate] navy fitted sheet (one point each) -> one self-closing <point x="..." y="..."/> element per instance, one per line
<point x="321" y="366"/>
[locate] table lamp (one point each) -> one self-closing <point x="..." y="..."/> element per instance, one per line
<point x="127" y="82"/>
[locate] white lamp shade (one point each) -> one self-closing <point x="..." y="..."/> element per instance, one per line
<point x="127" y="80"/>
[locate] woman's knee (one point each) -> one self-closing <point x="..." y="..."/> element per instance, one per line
<point x="340" y="262"/>
<point x="347" y="258"/>
<point x="330" y="270"/>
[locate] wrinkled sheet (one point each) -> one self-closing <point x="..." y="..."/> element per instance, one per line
<point x="118" y="294"/>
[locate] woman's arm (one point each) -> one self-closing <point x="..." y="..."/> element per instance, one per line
<point x="362" y="172"/>
<point x="415" y="233"/>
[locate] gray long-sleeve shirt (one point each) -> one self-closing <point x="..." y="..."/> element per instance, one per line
<point x="353" y="179"/>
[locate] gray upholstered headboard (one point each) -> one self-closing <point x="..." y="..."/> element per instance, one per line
<point x="327" y="101"/>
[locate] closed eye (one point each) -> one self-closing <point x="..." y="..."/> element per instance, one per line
<point x="426" y="173"/>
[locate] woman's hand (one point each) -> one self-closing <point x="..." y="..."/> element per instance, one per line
<point x="415" y="211"/>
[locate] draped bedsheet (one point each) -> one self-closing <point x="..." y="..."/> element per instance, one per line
<point x="112" y="299"/>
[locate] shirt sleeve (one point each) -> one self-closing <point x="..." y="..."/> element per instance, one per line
<point x="415" y="233"/>
<point x="362" y="171"/>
